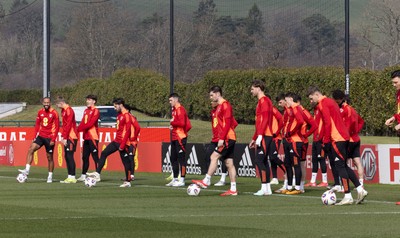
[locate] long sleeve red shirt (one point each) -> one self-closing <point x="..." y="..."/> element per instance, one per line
<point x="309" y="123"/>
<point x="47" y="124"/>
<point x="397" y="114"/>
<point x="225" y="121"/>
<point x="90" y="124"/>
<point x="295" y="122"/>
<point x="123" y="129"/>
<point x="277" y="123"/>
<point x="334" y="128"/>
<point x="263" y="117"/>
<point x="135" y="130"/>
<point x="68" y="123"/>
<point x="178" y="123"/>
<point x="319" y="132"/>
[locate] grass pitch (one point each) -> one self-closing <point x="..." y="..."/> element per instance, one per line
<point x="149" y="209"/>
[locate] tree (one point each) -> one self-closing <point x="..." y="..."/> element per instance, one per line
<point x="254" y="21"/>
<point x="381" y="34"/>
<point x="321" y="32"/>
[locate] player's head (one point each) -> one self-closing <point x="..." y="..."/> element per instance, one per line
<point x="215" y="93"/>
<point x="257" y="87"/>
<point x="290" y="98"/>
<point x="395" y="76"/>
<point x="119" y="104"/>
<point x="91" y="99"/>
<point x="280" y="99"/>
<point x="46" y="102"/>
<point x="314" y="94"/>
<point x="173" y="99"/>
<point x="60" y="101"/>
<point x="339" y="96"/>
<point x="128" y="107"/>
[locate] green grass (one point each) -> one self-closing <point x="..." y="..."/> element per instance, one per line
<point x="149" y="209"/>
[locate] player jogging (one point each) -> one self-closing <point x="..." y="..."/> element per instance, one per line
<point x="69" y="138"/>
<point x="226" y="142"/>
<point x="337" y="137"/>
<point x="179" y="126"/>
<point x="89" y="126"/>
<point x="46" y="130"/>
<point x="120" y="143"/>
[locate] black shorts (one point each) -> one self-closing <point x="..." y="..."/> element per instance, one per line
<point x="354" y="150"/>
<point x="304" y="151"/>
<point x="339" y="150"/>
<point x="41" y="141"/>
<point x="227" y="150"/>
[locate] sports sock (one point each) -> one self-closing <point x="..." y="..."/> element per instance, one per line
<point x="348" y="195"/>
<point x="361" y="181"/>
<point x="50" y="174"/>
<point x="302" y="185"/>
<point x="264" y="187"/>
<point x="313" y="177"/>
<point x="207" y="179"/>
<point x="360" y="188"/>
<point x="233" y="186"/>
<point x="223" y="177"/>
<point x="27" y="167"/>
<point x="182" y="179"/>
<point x="325" y="178"/>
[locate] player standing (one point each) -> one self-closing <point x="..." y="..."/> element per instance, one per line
<point x="120" y="143"/>
<point x="395" y="76"/>
<point x="226" y="142"/>
<point x="337" y="137"/>
<point x="354" y="124"/>
<point x="318" y="156"/>
<point x="277" y="125"/>
<point x="293" y="145"/>
<point x="262" y="138"/>
<point x="179" y="126"/>
<point x="46" y="130"/>
<point x="69" y="138"/>
<point x="89" y="126"/>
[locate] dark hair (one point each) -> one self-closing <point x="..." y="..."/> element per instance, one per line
<point x="92" y="96"/>
<point x="46" y="98"/>
<point x="258" y="84"/>
<point x="295" y="97"/>
<point x="60" y="99"/>
<point x="174" y="95"/>
<point x="280" y="96"/>
<point x="338" y="94"/>
<point x="119" y="101"/>
<point x="128" y="107"/>
<point x="395" y="74"/>
<point x="216" y="89"/>
<point x="312" y="90"/>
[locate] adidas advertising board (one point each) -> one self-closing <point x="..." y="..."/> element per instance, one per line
<point x="197" y="162"/>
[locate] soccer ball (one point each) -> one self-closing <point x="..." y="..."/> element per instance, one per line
<point x="328" y="198"/>
<point x="90" y="182"/>
<point x="193" y="190"/>
<point x="22" y="178"/>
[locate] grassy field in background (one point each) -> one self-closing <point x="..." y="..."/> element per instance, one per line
<point x="200" y="133"/>
<point x="149" y="209"/>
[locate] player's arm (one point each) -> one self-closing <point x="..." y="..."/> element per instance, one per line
<point x="264" y="119"/>
<point x="347" y="117"/>
<point x="327" y="124"/>
<point x="308" y="118"/>
<point x="68" y="124"/>
<point x="360" y="123"/>
<point x="298" y="120"/>
<point x="179" y="118"/>
<point x="56" y="126"/>
<point x="126" y="131"/>
<point x="279" y="118"/>
<point x="227" y="117"/>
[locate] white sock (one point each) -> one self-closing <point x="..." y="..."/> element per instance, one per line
<point x="50" y="174"/>
<point x="83" y="175"/>
<point x="325" y="177"/>
<point x="233" y="186"/>
<point x="73" y="176"/>
<point x="69" y="176"/>
<point x="27" y="167"/>
<point x="361" y="181"/>
<point x="223" y="177"/>
<point x="348" y="195"/>
<point x="285" y="183"/>
<point x="289" y="187"/>
<point x="313" y="177"/>
<point x="297" y="187"/>
<point x="207" y="179"/>
<point x="182" y="180"/>
<point x="264" y="187"/>
<point x="302" y="185"/>
<point x="360" y="188"/>
<point x="269" y="188"/>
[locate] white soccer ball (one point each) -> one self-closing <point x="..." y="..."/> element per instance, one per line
<point x="22" y="178"/>
<point x="90" y="182"/>
<point x="328" y="198"/>
<point x="193" y="190"/>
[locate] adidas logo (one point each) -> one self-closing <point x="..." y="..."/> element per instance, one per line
<point x="180" y="151"/>
<point x="246" y="167"/>
<point x="167" y="167"/>
<point x="94" y="150"/>
<point x="276" y="152"/>
<point x="192" y="166"/>
<point x="291" y="151"/>
<point x="337" y="159"/>
<point x="261" y="152"/>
